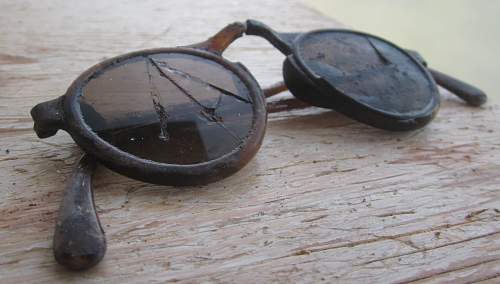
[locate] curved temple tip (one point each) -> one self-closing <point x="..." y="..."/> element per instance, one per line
<point x="470" y="94"/>
<point x="79" y="240"/>
<point x="477" y="99"/>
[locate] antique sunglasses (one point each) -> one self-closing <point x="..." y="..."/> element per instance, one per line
<point x="188" y="116"/>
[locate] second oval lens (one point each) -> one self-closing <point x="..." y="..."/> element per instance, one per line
<point x="370" y="71"/>
<point x="170" y="108"/>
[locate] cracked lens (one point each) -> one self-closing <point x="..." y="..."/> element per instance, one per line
<point x="368" y="70"/>
<point x="170" y="107"/>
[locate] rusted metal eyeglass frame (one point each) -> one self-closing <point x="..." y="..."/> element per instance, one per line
<point x="65" y="113"/>
<point x="79" y="241"/>
<point x="308" y="86"/>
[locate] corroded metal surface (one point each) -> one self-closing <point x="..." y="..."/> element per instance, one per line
<point x="103" y="107"/>
<point x="79" y="241"/>
<point x="185" y="116"/>
<point x="362" y="76"/>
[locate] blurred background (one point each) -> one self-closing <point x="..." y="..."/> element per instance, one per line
<point x="459" y="37"/>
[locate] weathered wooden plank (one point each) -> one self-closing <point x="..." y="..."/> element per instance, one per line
<point x="325" y="199"/>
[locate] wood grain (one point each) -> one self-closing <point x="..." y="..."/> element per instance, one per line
<point x="325" y="200"/>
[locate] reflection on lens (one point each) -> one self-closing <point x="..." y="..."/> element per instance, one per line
<point x="169" y="107"/>
<point x="369" y="70"/>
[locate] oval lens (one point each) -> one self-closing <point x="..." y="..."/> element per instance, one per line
<point x="172" y="108"/>
<point x="369" y="70"/>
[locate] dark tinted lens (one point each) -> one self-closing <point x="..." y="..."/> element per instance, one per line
<point x="369" y="70"/>
<point x="171" y="108"/>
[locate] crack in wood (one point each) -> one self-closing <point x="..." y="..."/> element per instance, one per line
<point x="445" y="271"/>
<point x="428" y="249"/>
<point x="396" y="213"/>
<point x="327" y="246"/>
